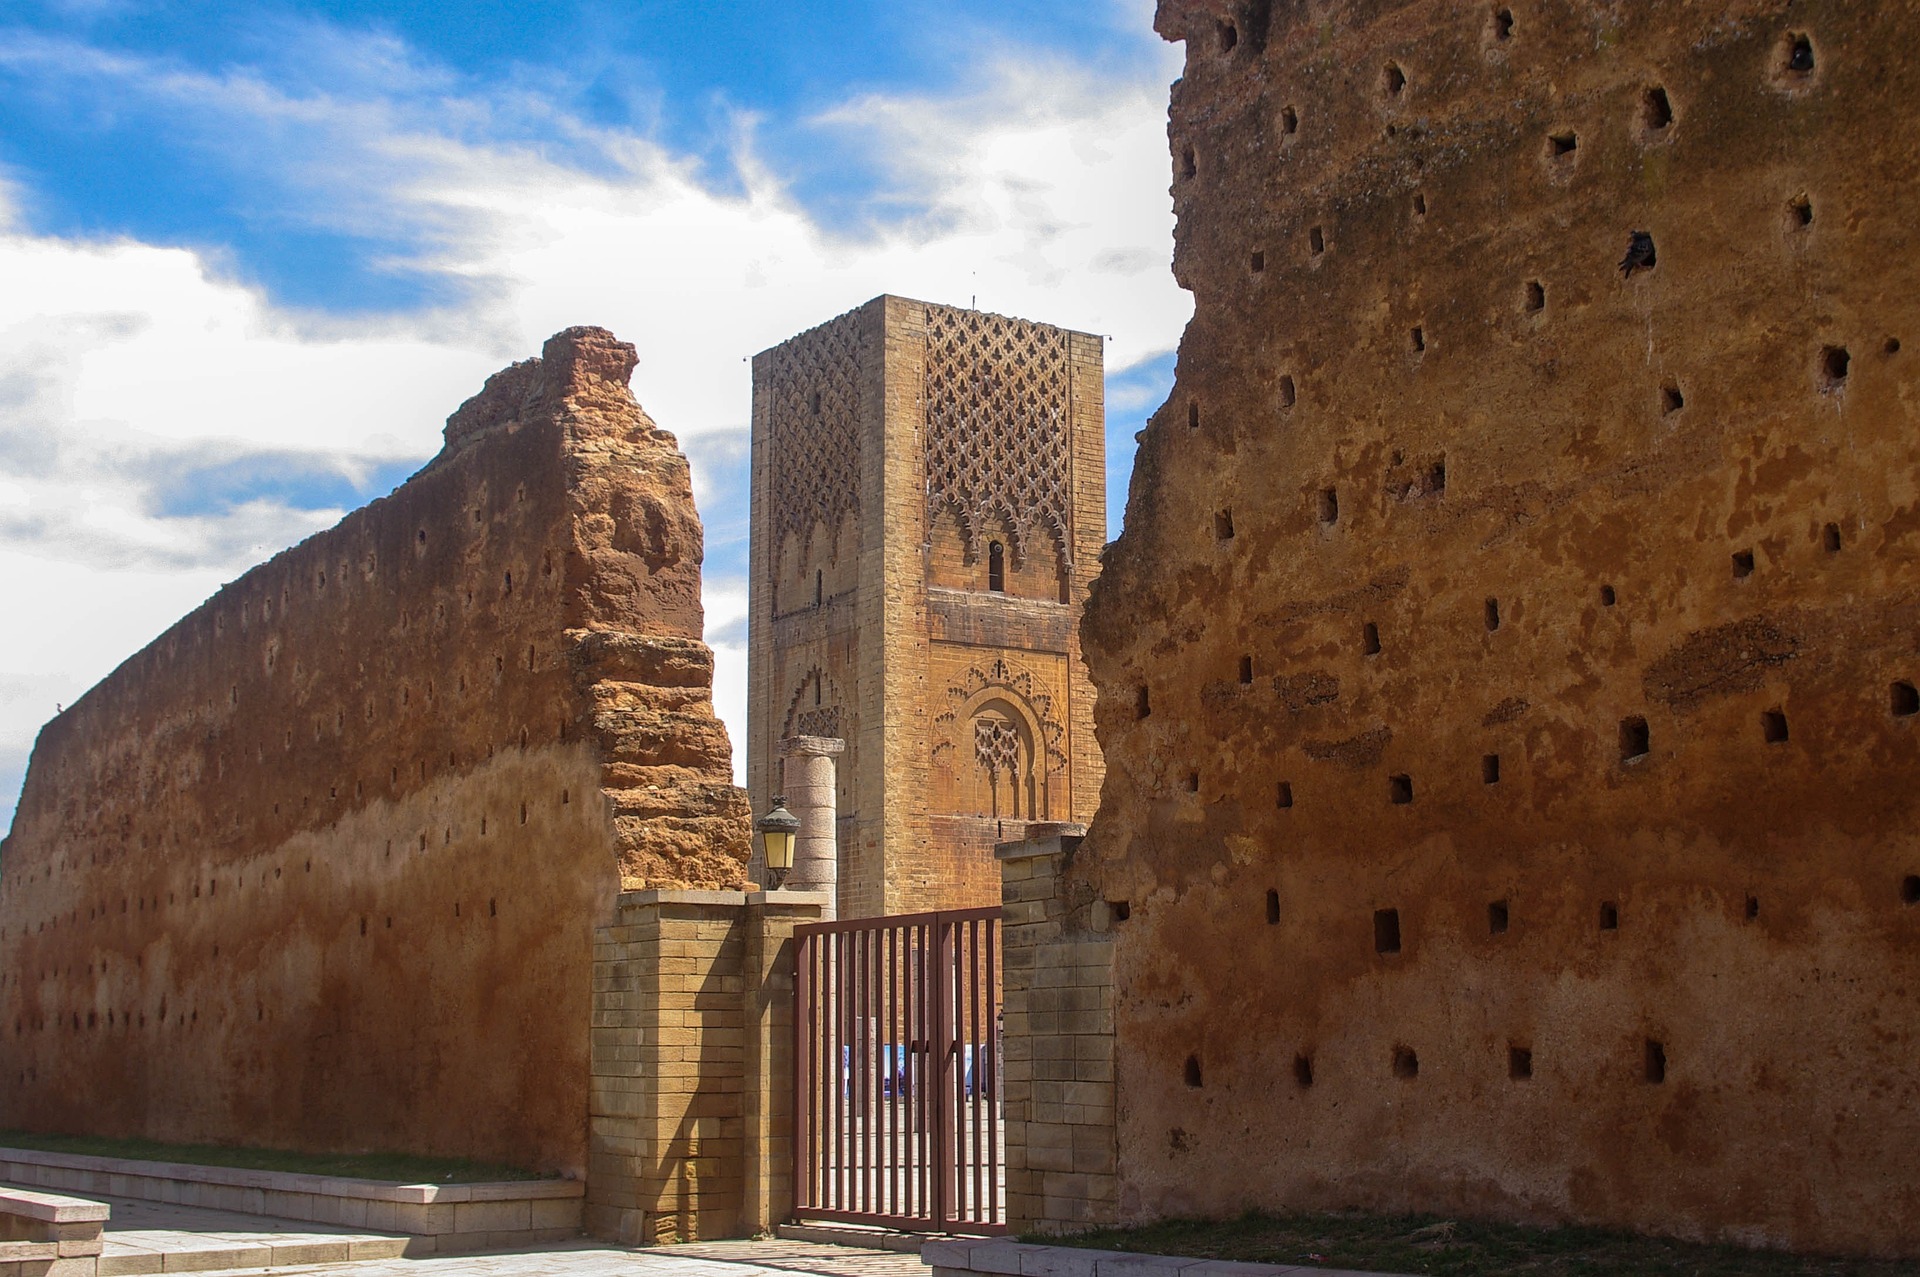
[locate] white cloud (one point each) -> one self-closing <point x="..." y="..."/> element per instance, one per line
<point x="1041" y="192"/>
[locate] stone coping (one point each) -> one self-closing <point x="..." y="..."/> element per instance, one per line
<point x="671" y="896"/>
<point x="50" y="1208"/>
<point x="1002" y="1255"/>
<point x="289" y="1182"/>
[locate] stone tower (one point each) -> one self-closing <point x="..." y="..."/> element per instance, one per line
<point x="928" y="508"/>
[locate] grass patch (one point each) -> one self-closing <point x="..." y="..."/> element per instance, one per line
<point x="1463" y="1248"/>
<point x="402" y="1168"/>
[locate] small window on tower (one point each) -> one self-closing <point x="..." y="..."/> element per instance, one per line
<point x="996" y="567"/>
<point x="819" y="587"/>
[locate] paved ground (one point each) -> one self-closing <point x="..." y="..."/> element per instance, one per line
<point x="707" y="1259"/>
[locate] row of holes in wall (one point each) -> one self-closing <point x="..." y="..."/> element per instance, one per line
<point x="1832" y="366"/>
<point x="125" y="830"/>
<point x="1405" y="1064"/>
<point x="1635" y="738"/>
<point x="1790" y="65"/>
<point x="131" y="1019"/>
<point x="137" y="905"/>
<point x="1386" y="922"/>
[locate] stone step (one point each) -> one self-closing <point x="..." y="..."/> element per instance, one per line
<point x="207" y="1254"/>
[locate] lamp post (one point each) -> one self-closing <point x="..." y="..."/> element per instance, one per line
<point x="777" y="830"/>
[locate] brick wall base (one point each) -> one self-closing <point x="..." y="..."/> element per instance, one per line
<point x="1057" y="996"/>
<point x="690" y="1127"/>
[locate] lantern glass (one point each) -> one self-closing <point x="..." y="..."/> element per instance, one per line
<point x="778" y="829"/>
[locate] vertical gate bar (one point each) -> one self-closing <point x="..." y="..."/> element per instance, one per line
<point x="816" y="1159"/>
<point x="799" y="1150"/>
<point x="893" y="1069"/>
<point x="869" y="1077"/>
<point x="995" y="1114"/>
<point x="974" y="1143"/>
<point x="835" y="1198"/>
<point x="856" y="1103"/>
<point x="955" y="969"/>
<point x="874" y="1048"/>
<point x="928" y="1087"/>
<point x="937" y="1057"/>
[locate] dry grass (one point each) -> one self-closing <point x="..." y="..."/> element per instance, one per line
<point x="1462" y="1248"/>
<point x="394" y="1167"/>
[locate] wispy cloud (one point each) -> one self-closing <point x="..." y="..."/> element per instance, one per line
<point x="164" y="422"/>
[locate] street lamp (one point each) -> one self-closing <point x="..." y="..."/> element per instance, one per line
<point x="777" y="830"/>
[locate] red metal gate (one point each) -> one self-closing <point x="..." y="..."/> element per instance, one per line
<point x="897" y="1113"/>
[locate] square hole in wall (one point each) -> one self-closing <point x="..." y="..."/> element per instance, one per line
<point x="1830" y="538"/>
<point x="1904" y="699"/>
<point x="1607" y="596"/>
<point x="1386" y="931"/>
<point x="1742" y="564"/>
<point x="1635" y="740"/>
<point x="1273" y="907"/>
<point x="1246" y="670"/>
<point x="1656" y="1061"/>
<point x="1519" y="1063"/>
<point x="1316" y="241"/>
<point x="1561" y="146"/>
<point x="1497" y="918"/>
<point x="1490" y="769"/>
<point x="1835" y="363"/>
<point x="1303" y="1071"/>
<point x="1223" y="525"/>
<point x="1400" y="789"/>
<point x="1283" y="794"/>
<point x="1753" y="908"/>
<point x="1193" y="782"/>
<point x="1910" y="889"/>
<point x="1773" y="726"/>
<point x="1656" y="110"/>
<point x="1289" y="121"/>
<point x="1671" y="400"/>
<point x="1406" y="1064"/>
<point x="1329" y="505"/>
<point x="1287" y="392"/>
<point x="1533" y="297"/>
<point x="1142" y="705"/>
<point x="1193" y="1072"/>
<point x="1370" y="639"/>
<point x="1609" y="916"/>
<point x="1491" y="612"/>
<point x="1417" y="337"/>
<point x="1258" y="262"/>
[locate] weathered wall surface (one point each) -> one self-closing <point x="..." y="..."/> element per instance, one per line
<point x="929" y="504"/>
<point x="1506" y="675"/>
<point x="321" y="866"/>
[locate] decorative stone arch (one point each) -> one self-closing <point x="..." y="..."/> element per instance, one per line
<point x="815" y="708"/>
<point x="999" y="746"/>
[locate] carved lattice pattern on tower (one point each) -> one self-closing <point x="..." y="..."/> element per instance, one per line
<point x="997" y="426"/>
<point x="996" y="743"/>
<point x="813" y="432"/>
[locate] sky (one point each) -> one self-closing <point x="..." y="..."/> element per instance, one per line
<point x="253" y="253"/>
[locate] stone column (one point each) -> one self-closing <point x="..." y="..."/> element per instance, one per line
<point x="1057" y="996"/>
<point x="810" y="796"/>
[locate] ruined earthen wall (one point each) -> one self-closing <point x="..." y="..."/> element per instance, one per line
<point x="320" y="867"/>
<point x="1506" y="674"/>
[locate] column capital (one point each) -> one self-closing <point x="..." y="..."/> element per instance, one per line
<point x="812" y="747"/>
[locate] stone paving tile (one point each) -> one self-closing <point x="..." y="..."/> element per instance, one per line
<point x="588" y="1259"/>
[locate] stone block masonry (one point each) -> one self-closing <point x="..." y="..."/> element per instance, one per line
<point x="690" y="1127"/>
<point x="1506" y="676"/>
<point x="321" y="866"/>
<point x="1057" y="1000"/>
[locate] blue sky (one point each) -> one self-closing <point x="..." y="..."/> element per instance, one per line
<point x="255" y="252"/>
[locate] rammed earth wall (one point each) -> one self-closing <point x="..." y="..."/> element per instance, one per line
<point x="1506" y="676"/>
<point x="321" y="866"/>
